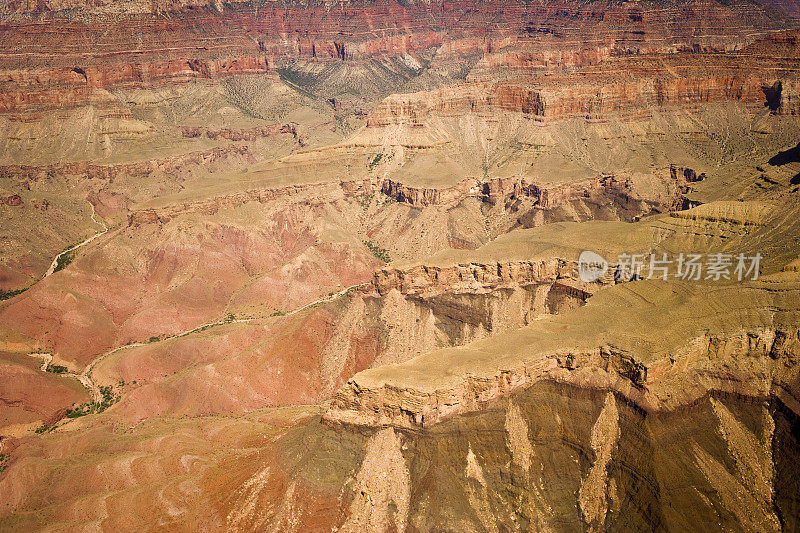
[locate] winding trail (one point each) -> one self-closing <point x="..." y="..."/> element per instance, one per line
<point x="85" y="376"/>
<point x="54" y="264"/>
<point x="47" y="358"/>
<point x="328" y="298"/>
<point x="85" y="380"/>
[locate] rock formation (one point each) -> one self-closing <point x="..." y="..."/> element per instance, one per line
<point x="381" y="266"/>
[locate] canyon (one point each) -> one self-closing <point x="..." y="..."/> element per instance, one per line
<point x="317" y="267"/>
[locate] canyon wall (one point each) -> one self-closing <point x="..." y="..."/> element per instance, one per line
<point x="602" y="189"/>
<point x="211" y="42"/>
<point x="568" y="97"/>
<point x="647" y="386"/>
<point x="548" y="196"/>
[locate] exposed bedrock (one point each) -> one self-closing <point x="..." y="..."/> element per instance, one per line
<point x="789" y="102"/>
<point x="315" y="194"/>
<point x="250" y="134"/>
<point x="772" y="374"/>
<point x="141" y="169"/>
<point x="425" y="281"/>
<point x="555" y="457"/>
<point x="417" y="309"/>
<point x="632" y="193"/>
<point x="459" y="304"/>
<point x="75" y="49"/>
<point x="661" y="345"/>
<point x="420" y="309"/>
<point x="671" y="182"/>
<point x="375" y="325"/>
<point x="314" y="353"/>
<point x="71" y="87"/>
<point x="75" y="7"/>
<point x="318" y="350"/>
<point x="590" y="96"/>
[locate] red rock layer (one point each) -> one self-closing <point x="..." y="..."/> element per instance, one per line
<point x="54" y="63"/>
<point x="627" y="87"/>
<point x="110" y="172"/>
<point x="74" y="7"/>
<point x="790" y="7"/>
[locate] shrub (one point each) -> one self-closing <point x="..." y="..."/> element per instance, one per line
<point x="374" y="161"/>
<point x="108" y="398"/>
<point x="364" y="200"/>
<point x="377" y="251"/>
<point x="57" y="369"/>
<point x="5" y="295"/>
<point x="63" y="260"/>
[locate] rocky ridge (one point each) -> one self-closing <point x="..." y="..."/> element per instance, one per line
<point x="652" y="384"/>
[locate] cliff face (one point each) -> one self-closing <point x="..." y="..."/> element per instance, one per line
<point x="415" y="409"/>
<point x="425" y="307"/>
<point x="654" y="385"/>
<point x="622" y="85"/>
<point x="790" y="7"/>
<point x="666" y="346"/>
<point x="141" y="48"/>
<point x="616" y="466"/>
<point x="428" y="279"/>
<point x="789" y="99"/>
<point x="425" y="196"/>
<point x="67" y="87"/>
<point x="579" y="96"/>
<point x="310" y="195"/>
<point x="245" y="134"/>
<point x="603" y="189"/>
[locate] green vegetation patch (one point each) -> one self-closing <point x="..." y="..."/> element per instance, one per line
<point x="374" y="161"/>
<point x="377" y="158"/>
<point x="377" y="251"/>
<point x="5" y="295"/>
<point x="364" y="200"/>
<point x="64" y="260"/>
<point x="109" y="398"/>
